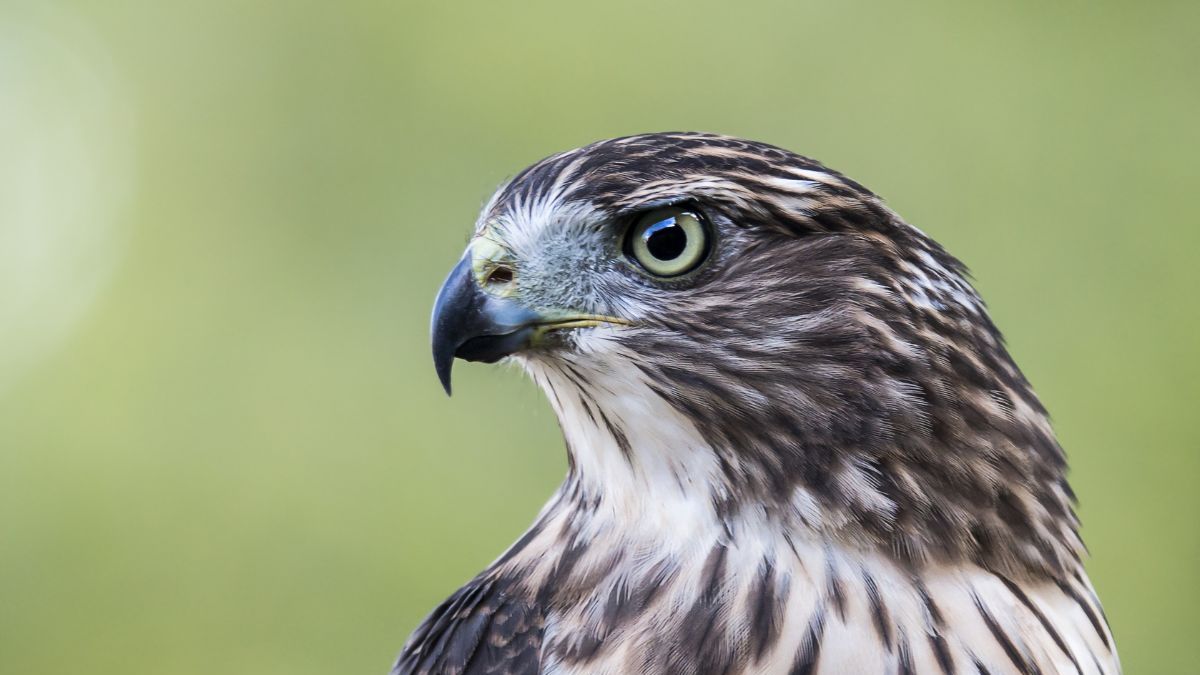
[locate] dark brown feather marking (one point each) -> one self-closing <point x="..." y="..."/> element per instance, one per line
<point x="767" y="610"/>
<point x="834" y="591"/>
<point x="879" y="613"/>
<point x="1041" y="617"/>
<point x="935" y="624"/>
<point x="1003" y="639"/>
<point x="904" y="663"/>
<point x="809" y="654"/>
<point x="618" y="435"/>
<point x="1087" y="610"/>
<point x="703" y="645"/>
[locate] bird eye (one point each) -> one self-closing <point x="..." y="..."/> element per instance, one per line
<point x="667" y="242"/>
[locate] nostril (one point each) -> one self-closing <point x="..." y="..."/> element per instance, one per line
<point x="500" y="276"/>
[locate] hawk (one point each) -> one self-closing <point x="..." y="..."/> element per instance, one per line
<point x="796" y="440"/>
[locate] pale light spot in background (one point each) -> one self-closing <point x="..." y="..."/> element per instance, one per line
<point x="65" y="176"/>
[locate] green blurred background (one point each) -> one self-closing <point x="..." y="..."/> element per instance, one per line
<point x="222" y="224"/>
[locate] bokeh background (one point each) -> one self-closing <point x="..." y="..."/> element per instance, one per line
<point x="222" y="224"/>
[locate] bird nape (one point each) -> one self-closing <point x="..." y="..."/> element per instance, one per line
<point x="796" y="441"/>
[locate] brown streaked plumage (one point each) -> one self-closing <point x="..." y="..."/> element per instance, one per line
<point x="797" y="442"/>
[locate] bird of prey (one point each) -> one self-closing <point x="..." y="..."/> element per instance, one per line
<point x="796" y="440"/>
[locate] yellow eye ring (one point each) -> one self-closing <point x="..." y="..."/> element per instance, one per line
<point x="667" y="242"/>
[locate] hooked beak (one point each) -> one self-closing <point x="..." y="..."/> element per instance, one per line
<point x="474" y="325"/>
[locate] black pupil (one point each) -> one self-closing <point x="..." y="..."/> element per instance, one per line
<point x="665" y="240"/>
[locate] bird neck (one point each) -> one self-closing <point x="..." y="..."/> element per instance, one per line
<point x="630" y="453"/>
<point x="639" y="462"/>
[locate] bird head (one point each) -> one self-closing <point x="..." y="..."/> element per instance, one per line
<point x="739" y="326"/>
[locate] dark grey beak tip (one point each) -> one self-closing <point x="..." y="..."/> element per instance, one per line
<point x="449" y="319"/>
<point x="443" y="367"/>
